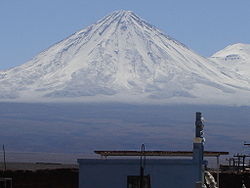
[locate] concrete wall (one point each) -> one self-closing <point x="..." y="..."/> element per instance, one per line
<point x="164" y="173"/>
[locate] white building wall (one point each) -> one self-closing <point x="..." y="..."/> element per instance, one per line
<point x="112" y="173"/>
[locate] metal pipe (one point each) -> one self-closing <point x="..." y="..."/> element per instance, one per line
<point x="218" y="171"/>
<point x="244" y="156"/>
<point x="142" y="166"/>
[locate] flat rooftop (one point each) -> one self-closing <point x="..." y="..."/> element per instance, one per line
<point x="159" y="153"/>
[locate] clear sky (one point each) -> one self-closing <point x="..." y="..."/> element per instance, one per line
<point x="29" y="26"/>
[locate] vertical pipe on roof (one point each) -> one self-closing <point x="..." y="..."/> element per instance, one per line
<point x="198" y="147"/>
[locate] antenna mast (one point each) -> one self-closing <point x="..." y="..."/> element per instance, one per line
<point x="4" y="159"/>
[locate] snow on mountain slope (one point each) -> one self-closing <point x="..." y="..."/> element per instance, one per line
<point x="120" y="58"/>
<point x="235" y="58"/>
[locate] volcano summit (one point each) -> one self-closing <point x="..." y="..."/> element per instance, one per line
<point x="121" y="58"/>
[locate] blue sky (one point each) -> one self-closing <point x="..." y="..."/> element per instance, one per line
<point x="29" y="26"/>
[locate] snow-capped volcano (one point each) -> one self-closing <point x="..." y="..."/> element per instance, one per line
<point x="121" y="57"/>
<point x="236" y="58"/>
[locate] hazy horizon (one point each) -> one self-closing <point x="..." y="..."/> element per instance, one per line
<point x="83" y="128"/>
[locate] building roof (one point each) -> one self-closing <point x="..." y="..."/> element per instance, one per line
<point x="159" y="153"/>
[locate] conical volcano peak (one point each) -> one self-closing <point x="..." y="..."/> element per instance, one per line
<point x="124" y="13"/>
<point x="121" y="57"/>
<point x="118" y="15"/>
<point x="123" y="17"/>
